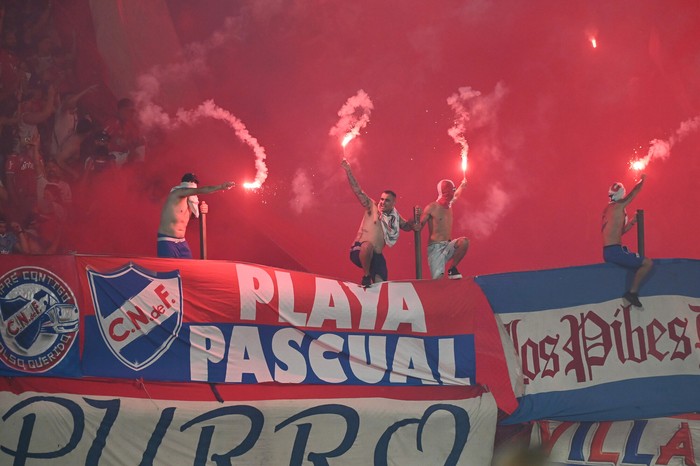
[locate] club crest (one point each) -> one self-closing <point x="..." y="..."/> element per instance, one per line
<point x="38" y="319"/>
<point x="139" y="312"/>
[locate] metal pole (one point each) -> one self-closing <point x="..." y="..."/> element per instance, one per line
<point x="640" y="232"/>
<point x="202" y="235"/>
<point x="416" y="234"/>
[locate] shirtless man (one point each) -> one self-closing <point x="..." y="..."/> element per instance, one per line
<point x="441" y="246"/>
<point x="180" y="205"/>
<point x="380" y="226"/>
<point x="615" y="225"/>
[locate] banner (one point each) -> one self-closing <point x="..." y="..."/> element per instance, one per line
<point x="71" y="422"/>
<point x="39" y="316"/>
<point x="673" y="441"/>
<point x="587" y="356"/>
<point x="227" y="322"/>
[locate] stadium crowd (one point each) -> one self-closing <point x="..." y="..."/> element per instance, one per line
<point x="56" y="145"/>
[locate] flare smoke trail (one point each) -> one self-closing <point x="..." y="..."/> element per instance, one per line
<point x="301" y="191"/>
<point x="458" y="103"/>
<point x="350" y="123"/>
<point x="483" y="222"/>
<point x="152" y="115"/>
<point x="659" y="149"/>
<point x="211" y="110"/>
<point x="473" y="110"/>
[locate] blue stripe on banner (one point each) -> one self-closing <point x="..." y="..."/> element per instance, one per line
<point x="36" y="364"/>
<point x="644" y="398"/>
<point x="574" y="286"/>
<point x="114" y="292"/>
<point x="207" y="349"/>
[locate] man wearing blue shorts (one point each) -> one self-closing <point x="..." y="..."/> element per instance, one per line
<point x="379" y="227"/>
<point x="181" y="204"/>
<point x="616" y="224"/>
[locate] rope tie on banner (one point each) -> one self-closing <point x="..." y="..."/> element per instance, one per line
<point x="216" y="393"/>
<point x="142" y="385"/>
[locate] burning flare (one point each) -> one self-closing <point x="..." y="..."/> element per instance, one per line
<point x="252" y="184"/>
<point x="348" y="137"/>
<point x="458" y="102"/>
<point x="638" y="164"/>
<point x="659" y="149"/>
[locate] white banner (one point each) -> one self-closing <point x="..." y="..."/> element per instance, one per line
<point x="62" y="429"/>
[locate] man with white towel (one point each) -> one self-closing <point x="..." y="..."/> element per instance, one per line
<point x="379" y="227"/>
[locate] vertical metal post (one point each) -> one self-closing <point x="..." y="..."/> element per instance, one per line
<point x="202" y="236"/>
<point x="640" y="232"/>
<point x="416" y="234"/>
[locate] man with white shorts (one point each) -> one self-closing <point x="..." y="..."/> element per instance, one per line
<point x="441" y="246"/>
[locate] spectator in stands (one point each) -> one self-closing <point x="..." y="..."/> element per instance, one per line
<point x="616" y="224"/>
<point x="49" y="176"/>
<point x="98" y="175"/>
<point x="36" y="108"/>
<point x="181" y="204"/>
<point x="21" y="175"/>
<point x="68" y="157"/>
<point x="100" y="162"/>
<point x="126" y="142"/>
<point x="38" y="238"/>
<point x="441" y="247"/>
<point x="66" y="119"/>
<point x="9" y="242"/>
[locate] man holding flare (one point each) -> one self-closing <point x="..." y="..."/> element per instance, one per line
<point x="615" y="224"/>
<point x="181" y="204"/>
<point x="441" y="246"/>
<point x="380" y="226"/>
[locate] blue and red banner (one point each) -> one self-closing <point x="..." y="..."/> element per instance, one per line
<point x="227" y="322"/>
<point x="156" y="361"/>
<point x="586" y="355"/>
<point x="235" y="323"/>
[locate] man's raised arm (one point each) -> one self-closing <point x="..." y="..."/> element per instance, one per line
<point x="363" y="198"/>
<point x="627" y="199"/>
<point x="458" y="192"/>
<point x="186" y="192"/>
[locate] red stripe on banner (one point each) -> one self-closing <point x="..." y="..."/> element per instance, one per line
<point x="194" y="391"/>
